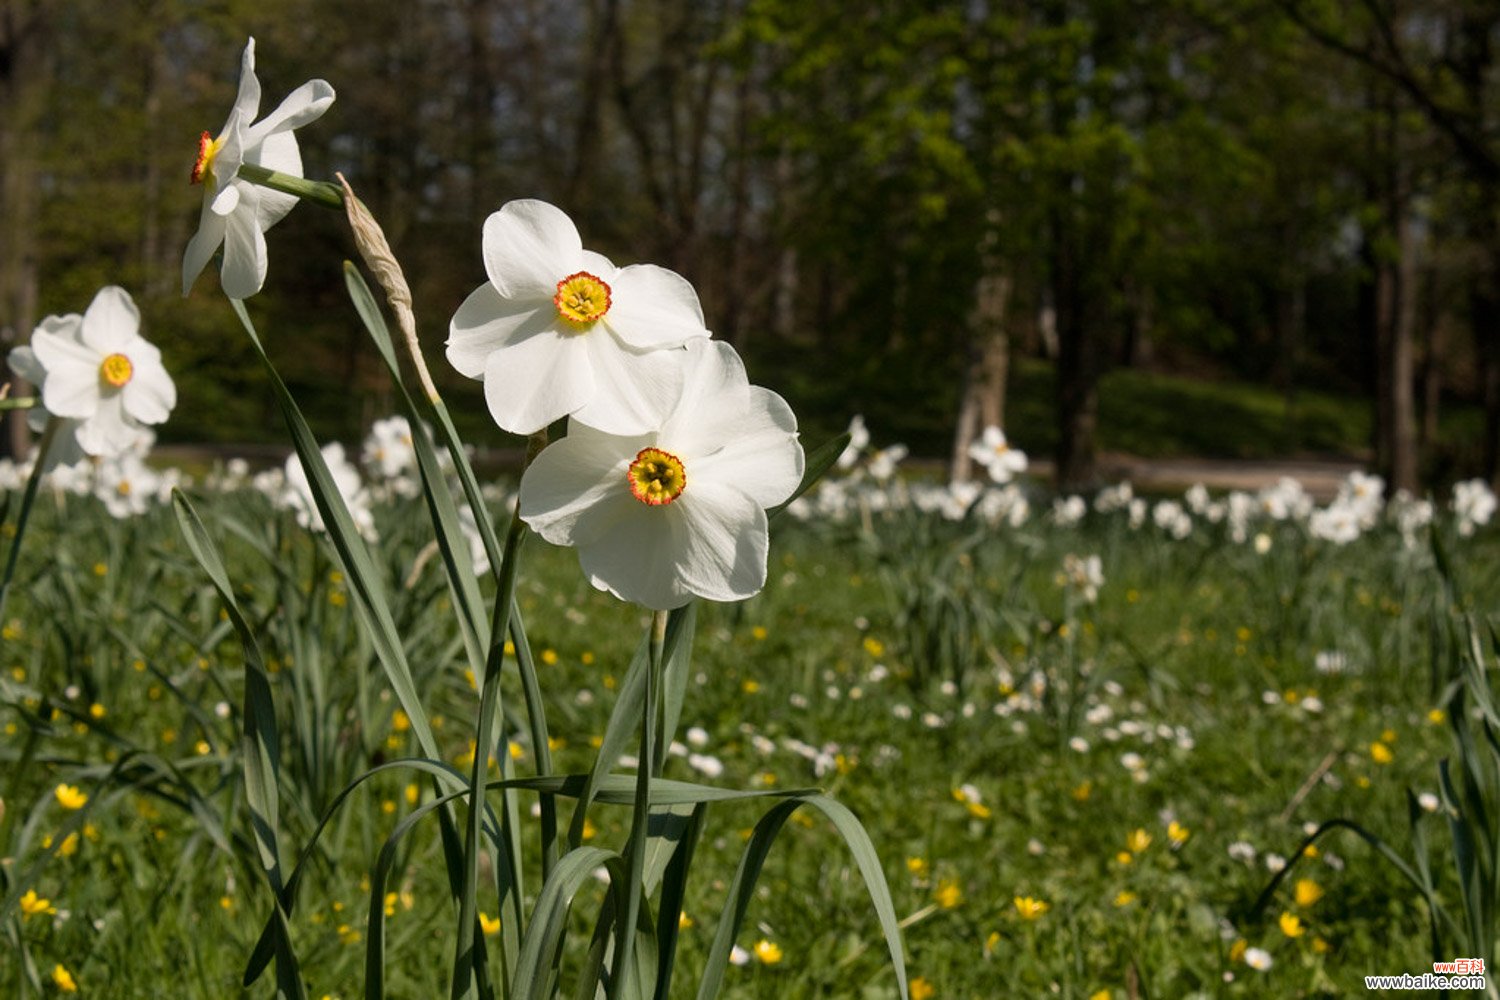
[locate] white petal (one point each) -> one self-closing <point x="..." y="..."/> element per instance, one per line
<point x="714" y="389"/>
<point x="244" y="269"/>
<point x="111" y="321"/>
<point x="600" y="266"/>
<point x="651" y="307"/>
<point x="725" y="545"/>
<point x="302" y="106"/>
<point x="247" y="101"/>
<point x="71" y="388"/>
<point x="635" y="554"/>
<point x="201" y="248"/>
<point x="108" y="431"/>
<point x="570" y="476"/>
<point x="227" y="200"/>
<point x="529" y="246"/>
<point x="761" y="457"/>
<point x="24" y="363"/>
<point x="634" y="392"/>
<point x="150" y="394"/>
<point x="485" y="323"/>
<point x="279" y="153"/>
<point x="532" y="381"/>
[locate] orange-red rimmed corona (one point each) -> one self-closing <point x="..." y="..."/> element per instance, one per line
<point x="656" y="477"/>
<point x="582" y="298"/>
<point x="208" y="148"/>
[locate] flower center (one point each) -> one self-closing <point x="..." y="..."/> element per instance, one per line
<point x="656" y="477"/>
<point x="581" y="298"/>
<point x="208" y="148"/>
<point x="116" y="370"/>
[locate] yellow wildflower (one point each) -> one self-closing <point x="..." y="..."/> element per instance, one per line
<point x="768" y="952"/>
<point x="69" y="797"/>
<point x="948" y="893"/>
<point x="921" y="989"/>
<point x="1177" y="833"/>
<point x="63" y="979"/>
<point x="1237" y="950"/>
<point x="1308" y="892"/>
<point x="917" y="866"/>
<point x="1125" y="897"/>
<point x="1291" y="925"/>
<point x="490" y="925"/>
<point x="1137" y="841"/>
<point x="1380" y="753"/>
<point x="33" y="905"/>
<point x="1030" y="908"/>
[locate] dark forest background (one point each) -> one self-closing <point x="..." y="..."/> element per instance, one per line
<point x="940" y="214"/>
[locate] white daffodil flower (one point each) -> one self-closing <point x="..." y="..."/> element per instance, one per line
<point x="678" y="511"/>
<point x="560" y="330"/>
<point x="237" y="213"/>
<point x="995" y="453"/>
<point x="98" y="371"/>
<point x="296" y="493"/>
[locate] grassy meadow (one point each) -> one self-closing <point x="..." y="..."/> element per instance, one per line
<point x="1069" y="798"/>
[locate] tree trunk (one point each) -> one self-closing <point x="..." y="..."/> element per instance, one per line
<point x="983" y="400"/>
<point x="24" y="67"/>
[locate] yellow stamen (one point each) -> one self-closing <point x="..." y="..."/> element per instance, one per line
<point x="116" y="370"/>
<point x="656" y="477"/>
<point x="208" y="148"/>
<point x="581" y="299"/>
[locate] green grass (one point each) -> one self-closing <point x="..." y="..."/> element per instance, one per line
<point x="1188" y="636"/>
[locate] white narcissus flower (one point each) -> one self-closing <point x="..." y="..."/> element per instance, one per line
<point x="237" y="213"/>
<point x="678" y="511"/>
<point x="99" y="372"/>
<point x="559" y="330"/>
<point x="994" y="452"/>
<point x="296" y="493"/>
<point x="127" y="485"/>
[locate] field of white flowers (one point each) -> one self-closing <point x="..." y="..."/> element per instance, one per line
<point x="748" y="719"/>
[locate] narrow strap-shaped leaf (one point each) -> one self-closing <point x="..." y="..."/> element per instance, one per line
<point x="673" y="891"/>
<point x="753" y="859"/>
<point x="359" y="569"/>
<point x="440" y="772"/>
<point x="549" y="920"/>
<point x="261" y="741"/>
<point x="622" y="720"/>
<point x="675" y="673"/>
<point x="818" y="462"/>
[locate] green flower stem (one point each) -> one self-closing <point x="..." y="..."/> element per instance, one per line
<point x="20" y="403"/>
<point x="24" y="516"/>
<point x="318" y="192"/>
<point x="489" y="694"/>
<point x="624" y="966"/>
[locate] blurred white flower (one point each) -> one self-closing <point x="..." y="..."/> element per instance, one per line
<point x="237" y="213"/>
<point x="1474" y="505"/>
<point x="97" y="371"/>
<point x="859" y="440"/>
<point x="994" y="452"/>
<point x="296" y="493"/>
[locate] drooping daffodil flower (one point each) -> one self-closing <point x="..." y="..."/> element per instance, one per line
<point x="237" y="213"/>
<point x="559" y="330"/>
<point x="680" y="510"/>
